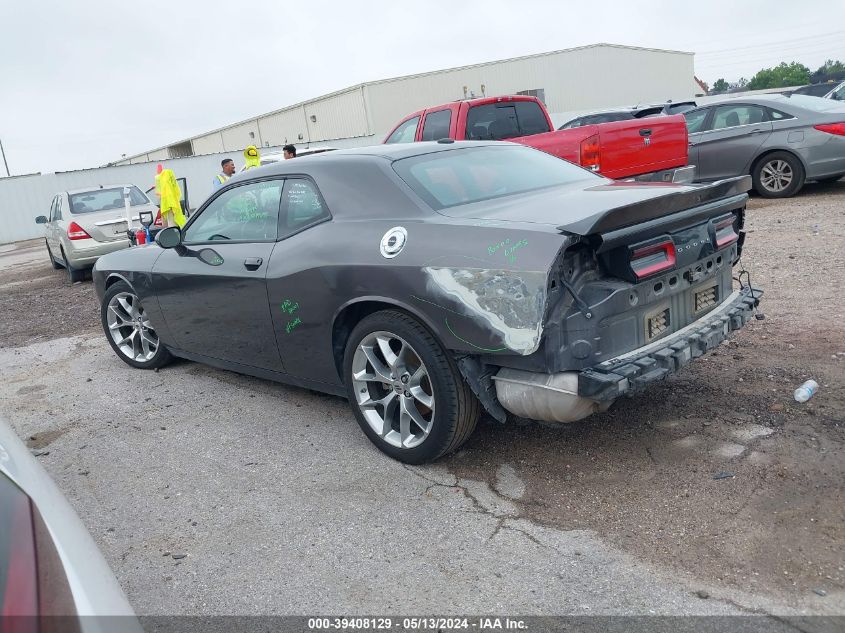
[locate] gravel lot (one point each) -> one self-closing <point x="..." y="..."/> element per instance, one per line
<point x="282" y="505"/>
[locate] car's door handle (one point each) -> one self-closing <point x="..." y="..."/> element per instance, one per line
<point x="645" y="132"/>
<point x="252" y="263"/>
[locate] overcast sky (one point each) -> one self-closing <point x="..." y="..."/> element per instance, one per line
<point x="84" y="82"/>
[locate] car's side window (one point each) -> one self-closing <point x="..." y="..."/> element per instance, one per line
<point x="58" y="207"/>
<point x="736" y="115"/>
<point x="302" y="206"/>
<point x="436" y="125"/>
<point x="249" y="212"/>
<point x="777" y="115"/>
<point x="405" y="133"/>
<point x="52" y="215"/>
<point x="696" y="119"/>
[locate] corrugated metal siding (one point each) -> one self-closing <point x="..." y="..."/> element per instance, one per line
<point x="594" y="77"/>
<point x="284" y="127"/>
<point x="341" y="116"/>
<point x="208" y="144"/>
<point x="238" y="137"/>
<point x="589" y="78"/>
<point x="161" y="154"/>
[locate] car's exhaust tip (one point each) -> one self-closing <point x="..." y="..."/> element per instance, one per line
<point x="546" y="397"/>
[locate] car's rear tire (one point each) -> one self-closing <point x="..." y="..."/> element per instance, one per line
<point x="406" y="391"/>
<point x="74" y="274"/>
<point x="53" y="261"/>
<point x="128" y="329"/>
<point x="778" y="175"/>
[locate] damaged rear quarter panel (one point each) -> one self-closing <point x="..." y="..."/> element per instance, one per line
<point x="489" y="291"/>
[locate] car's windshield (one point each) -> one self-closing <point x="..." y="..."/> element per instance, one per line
<point x="470" y="174"/>
<point x="105" y="200"/>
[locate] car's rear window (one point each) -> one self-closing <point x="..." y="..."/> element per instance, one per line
<point x="508" y="119"/>
<point x="105" y="200"/>
<point x="471" y="174"/>
<point x="816" y="104"/>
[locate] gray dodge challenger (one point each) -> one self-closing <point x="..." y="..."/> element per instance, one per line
<point x="427" y="281"/>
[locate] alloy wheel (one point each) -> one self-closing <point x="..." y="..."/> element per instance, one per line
<point x="130" y="328"/>
<point x="776" y="175"/>
<point x="393" y="389"/>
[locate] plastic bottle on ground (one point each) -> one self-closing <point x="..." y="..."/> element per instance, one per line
<point x="806" y="391"/>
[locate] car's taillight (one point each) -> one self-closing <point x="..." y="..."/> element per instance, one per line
<point x="76" y="232"/>
<point x="725" y="233"/>
<point x="653" y="258"/>
<point x="590" y="153"/>
<point x="831" y="128"/>
<point x="18" y="569"/>
<point x="158" y="219"/>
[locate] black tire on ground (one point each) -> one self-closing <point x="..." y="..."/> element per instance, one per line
<point x="456" y="409"/>
<point x="763" y="169"/>
<point x="161" y="357"/>
<point x="74" y="274"/>
<point x="53" y="261"/>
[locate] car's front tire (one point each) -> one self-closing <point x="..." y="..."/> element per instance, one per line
<point x="406" y="391"/>
<point x="128" y="329"/>
<point x="778" y="175"/>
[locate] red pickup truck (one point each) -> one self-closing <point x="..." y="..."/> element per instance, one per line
<point x="620" y="149"/>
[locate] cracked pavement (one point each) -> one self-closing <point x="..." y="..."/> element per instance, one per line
<point x="281" y="506"/>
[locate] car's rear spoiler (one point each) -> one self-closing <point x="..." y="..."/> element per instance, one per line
<point x="698" y="201"/>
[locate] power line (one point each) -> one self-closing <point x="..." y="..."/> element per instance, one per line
<point x="815" y="37"/>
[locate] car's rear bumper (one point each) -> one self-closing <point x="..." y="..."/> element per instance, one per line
<point x="637" y="369"/>
<point x="83" y="253"/>
<point x="825" y="159"/>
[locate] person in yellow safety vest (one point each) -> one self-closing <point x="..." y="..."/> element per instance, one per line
<point x="228" y="166"/>
<point x="251" y="158"/>
<point x="171" y="207"/>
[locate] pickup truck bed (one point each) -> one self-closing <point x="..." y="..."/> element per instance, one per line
<point x="620" y="149"/>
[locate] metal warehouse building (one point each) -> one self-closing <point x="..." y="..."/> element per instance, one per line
<point x="568" y="81"/>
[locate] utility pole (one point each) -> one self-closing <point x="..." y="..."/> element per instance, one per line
<point x="4" y="158"/>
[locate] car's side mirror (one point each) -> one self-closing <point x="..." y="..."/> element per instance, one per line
<point x="41" y="219"/>
<point x="171" y="237"/>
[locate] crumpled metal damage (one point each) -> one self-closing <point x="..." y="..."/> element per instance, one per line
<point x="507" y="302"/>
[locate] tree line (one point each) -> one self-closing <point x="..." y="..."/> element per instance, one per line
<point x="783" y="75"/>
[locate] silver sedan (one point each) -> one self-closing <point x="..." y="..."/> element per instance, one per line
<point x="85" y="224"/>
<point x="781" y="141"/>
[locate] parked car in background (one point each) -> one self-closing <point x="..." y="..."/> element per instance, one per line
<point x="781" y="141"/>
<point x="85" y="224"/>
<point x="275" y="157"/>
<point x="838" y="92"/>
<point x="425" y="281"/>
<point x="637" y="112"/>
<point x="50" y="566"/>
<point x="814" y="90"/>
<point x="620" y="149"/>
